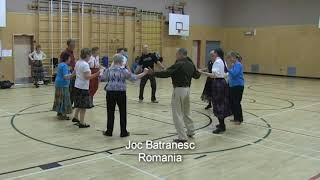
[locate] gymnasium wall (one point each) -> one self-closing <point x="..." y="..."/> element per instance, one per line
<point x="287" y="36"/>
<point x="205" y="25"/>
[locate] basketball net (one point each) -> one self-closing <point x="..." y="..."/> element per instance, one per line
<point x="184" y="37"/>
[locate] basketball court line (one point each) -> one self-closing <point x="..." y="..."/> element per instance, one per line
<point x="87" y="161"/>
<point x="275" y="149"/>
<point x="272" y="114"/>
<point x="92" y="160"/>
<point x="278" y="142"/>
<point x="6" y="112"/>
<point x="259" y="117"/>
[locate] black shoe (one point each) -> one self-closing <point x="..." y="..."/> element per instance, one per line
<point x="125" y="134"/>
<point x="179" y="140"/>
<point x="75" y="120"/>
<point x="63" y="117"/>
<point x="84" y="125"/>
<point x="107" y="133"/>
<point x="191" y="135"/>
<point x="219" y="131"/>
<point x="208" y="107"/>
<point x="155" y="101"/>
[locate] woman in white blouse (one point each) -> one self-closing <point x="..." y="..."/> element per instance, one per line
<point x="94" y="64"/>
<point x="37" y="57"/>
<point x="220" y="89"/>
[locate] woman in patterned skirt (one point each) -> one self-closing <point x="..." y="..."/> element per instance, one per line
<point x="37" y="57"/>
<point x="220" y="89"/>
<point x="207" y="91"/>
<point x="62" y="103"/>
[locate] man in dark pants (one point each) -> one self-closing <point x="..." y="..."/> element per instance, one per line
<point x="147" y="60"/>
<point x="71" y="45"/>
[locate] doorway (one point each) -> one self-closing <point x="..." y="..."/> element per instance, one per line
<point x="22" y="47"/>
<point x="196" y="52"/>
<point x="211" y="45"/>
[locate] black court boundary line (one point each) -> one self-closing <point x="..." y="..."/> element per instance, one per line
<point x="286" y="100"/>
<point x="295" y="95"/>
<point x="93" y="152"/>
<point x="283" y="76"/>
<point x="227" y="149"/>
<point x="269" y="132"/>
<point x="67" y="147"/>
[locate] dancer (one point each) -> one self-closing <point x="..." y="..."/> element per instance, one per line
<point x="206" y="94"/>
<point x="122" y="52"/>
<point x="147" y="60"/>
<point x="62" y="103"/>
<point x="181" y="74"/>
<point x="37" y="57"/>
<point x="220" y="89"/>
<point x="71" y="45"/>
<point x="116" y="77"/>
<point x="81" y="90"/>
<point x="134" y="65"/>
<point x="236" y="84"/>
<point x="94" y="64"/>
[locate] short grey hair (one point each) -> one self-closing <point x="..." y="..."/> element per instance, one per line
<point x="69" y="41"/>
<point x="232" y="54"/>
<point x="118" y="59"/>
<point x="183" y="51"/>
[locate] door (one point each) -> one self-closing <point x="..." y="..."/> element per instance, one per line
<point x="196" y="52"/>
<point x="211" y="45"/>
<point x="21" y="49"/>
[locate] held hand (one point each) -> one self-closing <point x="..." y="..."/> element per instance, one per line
<point x="150" y="71"/>
<point x="145" y="70"/>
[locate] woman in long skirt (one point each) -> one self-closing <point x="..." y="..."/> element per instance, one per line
<point x="62" y="103"/>
<point x="37" y="57"/>
<point x="207" y="91"/>
<point x="94" y="64"/>
<point x="220" y="89"/>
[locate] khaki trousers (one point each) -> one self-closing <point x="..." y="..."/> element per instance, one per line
<point x="181" y="112"/>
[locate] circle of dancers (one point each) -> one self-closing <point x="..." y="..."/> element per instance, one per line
<point x="76" y="83"/>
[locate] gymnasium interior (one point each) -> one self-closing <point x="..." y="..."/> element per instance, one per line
<point x="278" y="41"/>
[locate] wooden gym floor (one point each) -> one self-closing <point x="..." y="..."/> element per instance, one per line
<point x="279" y="139"/>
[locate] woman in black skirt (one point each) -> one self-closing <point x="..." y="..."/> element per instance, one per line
<point x="81" y="87"/>
<point x="37" y="57"/>
<point x="207" y="91"/>
<point x="220" y="89"/>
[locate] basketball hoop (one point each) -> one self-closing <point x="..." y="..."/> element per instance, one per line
<point x="179" y="31"/>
